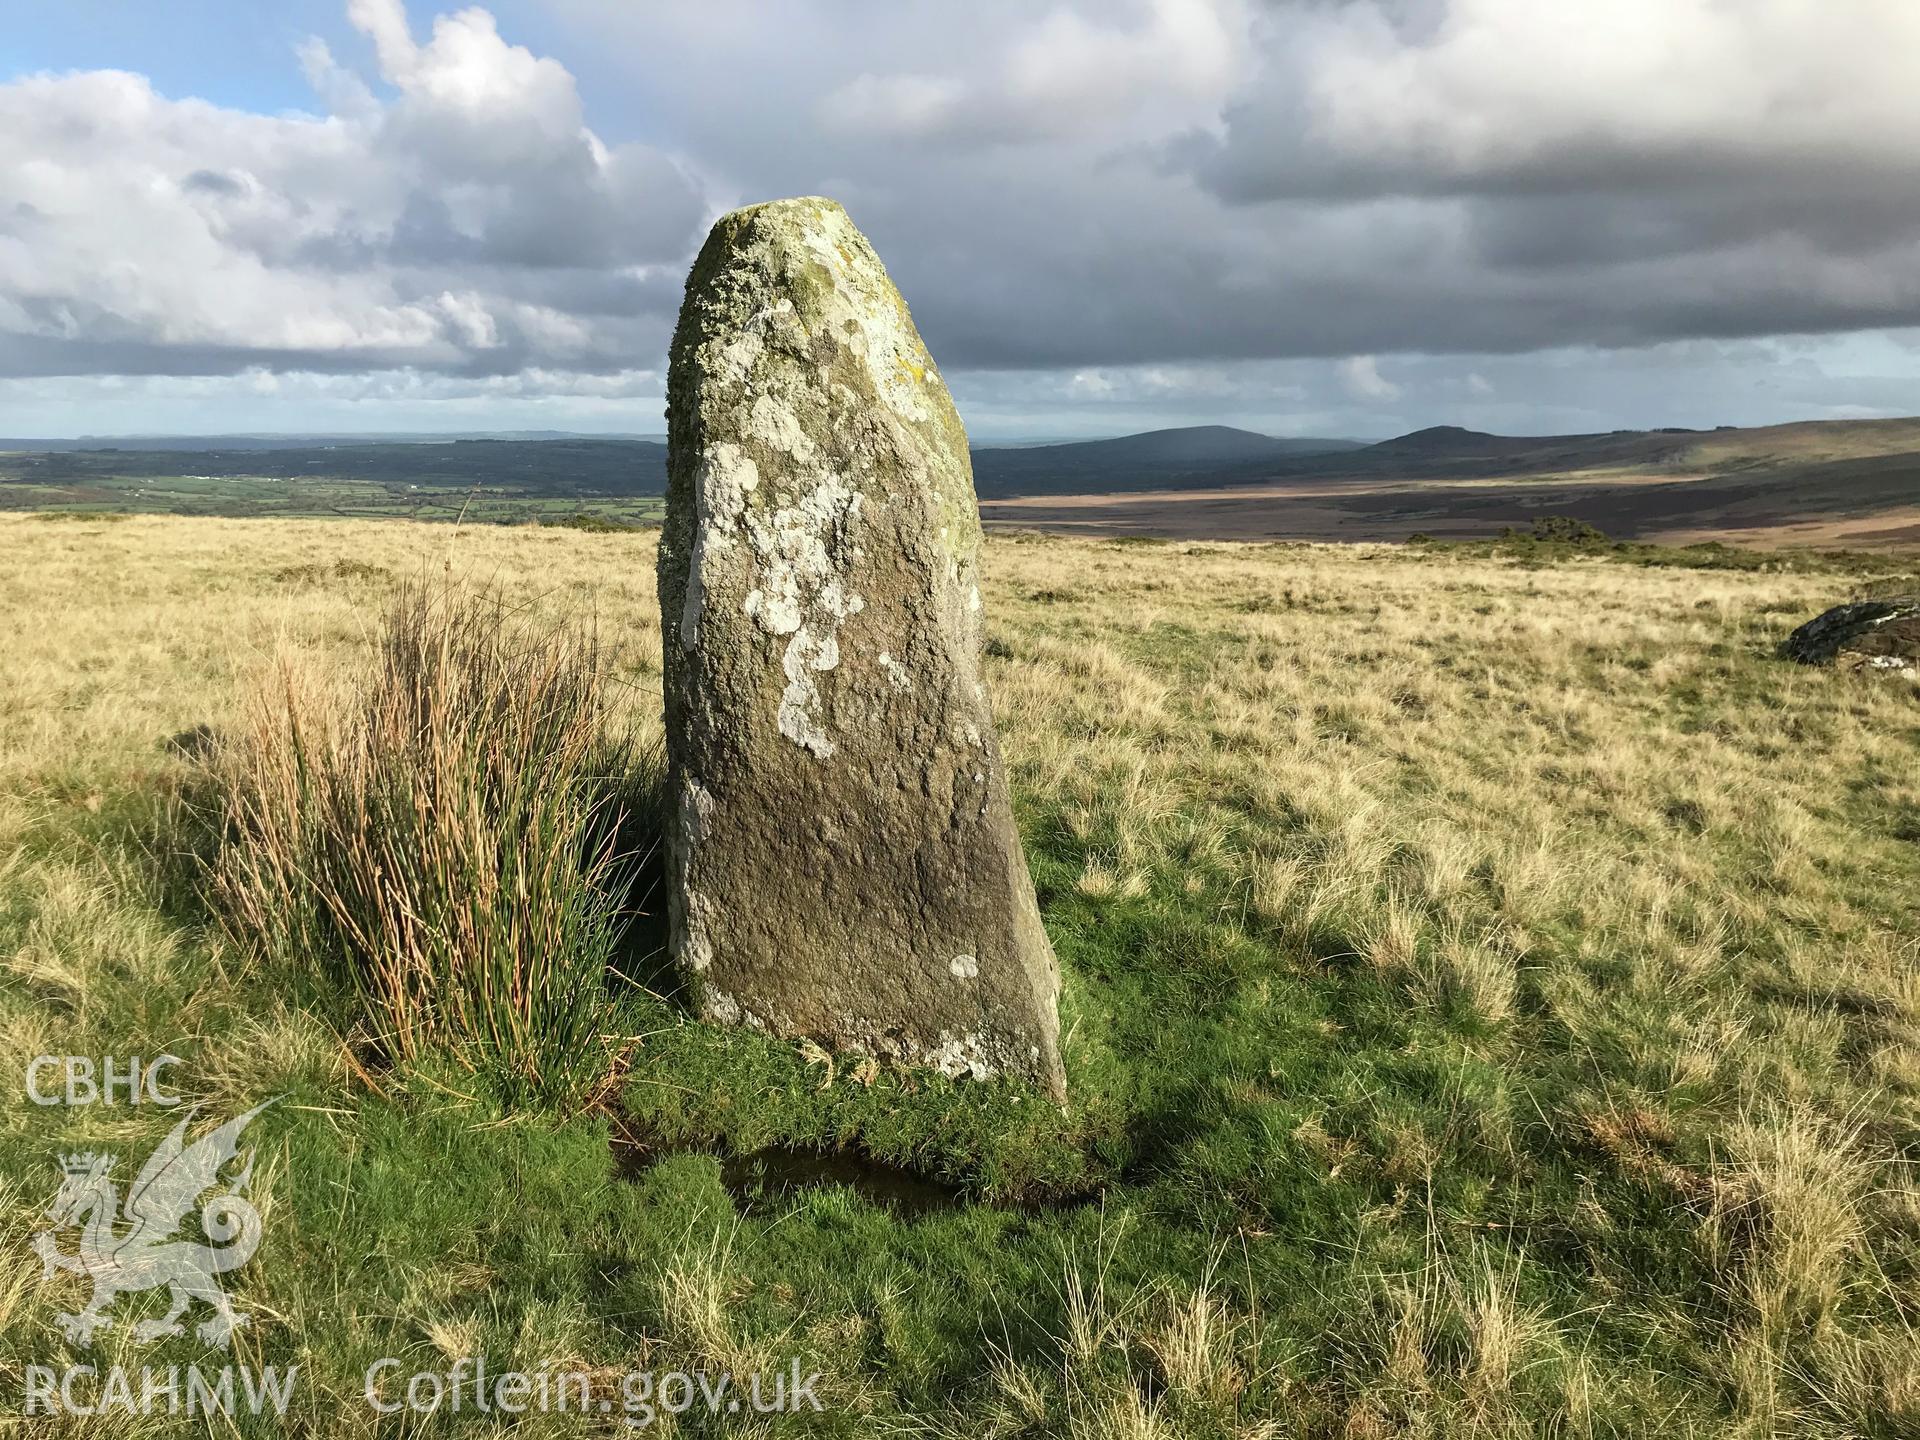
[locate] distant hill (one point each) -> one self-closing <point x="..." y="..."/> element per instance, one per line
<point x="1449" y="451"/>
<point x="1854" y="482"/>
<point x="1192" y="444"/>
<point x="1452" y="442"/>
<point x="1152" y="460"/>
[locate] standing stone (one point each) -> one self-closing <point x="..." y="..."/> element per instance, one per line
<point x="843" y="862"/>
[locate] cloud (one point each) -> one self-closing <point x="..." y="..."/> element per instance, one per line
<point x="1152" y="207"/>
<point x="1619" y="173"/>
<point x="466" y="220"/>
<point x="1139" y="183"/>
<point x="1511" y="96"/>
<point x="1573" y="390"/>
<point x="262" y="400"/>
<point x="1361" y="376"/>
<point x="1062" y="76"/>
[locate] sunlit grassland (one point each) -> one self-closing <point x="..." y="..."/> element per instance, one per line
<point x="1492" y="1007"/>
<point x="275" y="497"/>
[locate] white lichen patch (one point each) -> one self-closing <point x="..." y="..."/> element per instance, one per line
<point x="881" y="335"/>
<point x="696" y="811"/>
<point x="970" y="1055"/>
<point x="726" y="477"/>
<point x="774" y="422"/>
<point x="799" y="555"/>
<point x="799" y="716"/>
<point x="797" y="564"/>
<point x="692" y="911"/>
<point x="696" y="949"/>
<point x="735" y="357"/>
<point x="895" y="672"/>
<point x="791" y="560"/>
<point x="964" y="967"/>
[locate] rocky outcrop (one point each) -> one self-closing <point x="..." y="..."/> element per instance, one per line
<point x="843" y="860"/>
<point x="1865" y="635"/>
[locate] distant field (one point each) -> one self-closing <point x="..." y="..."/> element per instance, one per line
<point x="1662" y="509"/>
<point x="257" y="496"/>
<point x="1833" y="484"/>
<point x="1490" y="1011"/>
<point x="482" y="481"/>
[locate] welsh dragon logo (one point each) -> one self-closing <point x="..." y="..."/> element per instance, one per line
<point x="150" y="1254"/>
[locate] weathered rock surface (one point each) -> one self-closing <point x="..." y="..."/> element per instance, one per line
<point x="1865" y="635"/>
<point x="842" y="855"/>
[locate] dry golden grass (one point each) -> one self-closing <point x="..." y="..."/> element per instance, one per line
<point x="1654" y="885"/>
<point x="443" y="835"/>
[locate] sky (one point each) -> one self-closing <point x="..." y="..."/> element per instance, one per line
<point x="1307" y="217"/>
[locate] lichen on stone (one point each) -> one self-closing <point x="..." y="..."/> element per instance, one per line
<point x="896" y="673"/>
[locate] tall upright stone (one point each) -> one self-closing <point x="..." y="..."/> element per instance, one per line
<point x="842" y="856"/>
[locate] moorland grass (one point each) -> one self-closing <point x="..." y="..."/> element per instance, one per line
<point x="1491" y="1009"/>
<point x="442" y="833"/>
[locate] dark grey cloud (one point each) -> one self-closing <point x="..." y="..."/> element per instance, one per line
<point x="214" y="183"/>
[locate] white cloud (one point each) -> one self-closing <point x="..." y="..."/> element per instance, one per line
<point x="1061" y="76"/>
<point x="469" y="220"/>
<point x="1762" y="83"/>
<point x="895" y="104"/>
<point x="1362" y="177"/>
<point x="1489" y="94"/>
<point x="261" y="400"/>
<point x="385" y="23"/>
<point x="1361" y="376"/>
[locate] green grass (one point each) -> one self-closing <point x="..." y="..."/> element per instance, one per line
<point x="261" y="497"/>
<point x="1490" y="1009"/>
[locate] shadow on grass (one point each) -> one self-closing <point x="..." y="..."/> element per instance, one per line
<point x="635" y="801"/>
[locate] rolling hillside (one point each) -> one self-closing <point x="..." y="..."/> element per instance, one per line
<point x="1842" y="482"/>
<point x="1155" y="459"/>
<point x="624" y="466"/>
<point x="1854" y="482"/>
